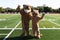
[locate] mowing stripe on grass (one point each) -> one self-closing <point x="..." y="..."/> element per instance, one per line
<point x="44" y="27"/>
<point x="11" y="31"/>
<point x="53" y="27"/>
<point x="54" y="23"/>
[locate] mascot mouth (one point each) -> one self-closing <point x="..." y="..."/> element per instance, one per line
<point x="27" y="11"/>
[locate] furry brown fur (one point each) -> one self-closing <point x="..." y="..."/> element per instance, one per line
<point x="28" y="14"/>
<point x="35" y="23"/>
<point x="26" y="17"/>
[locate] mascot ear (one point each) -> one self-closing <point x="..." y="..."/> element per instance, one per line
<point x="24" y="6"/>
<point x="18" y="8"/>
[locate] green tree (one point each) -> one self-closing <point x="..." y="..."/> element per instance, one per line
<point x="59" y="10"/>
<point x="2" y="10"/>
<point x="40" y="8"/>
<point x="47" y="9"/>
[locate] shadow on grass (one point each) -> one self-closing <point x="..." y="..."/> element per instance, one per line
<point x="20" y="38"/>
<point x="1" y="38"/>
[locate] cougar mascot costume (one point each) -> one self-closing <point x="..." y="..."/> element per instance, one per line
<point x="26" y="17"/>
<point x="35" y="23"/>
<point x="28" y="14"/>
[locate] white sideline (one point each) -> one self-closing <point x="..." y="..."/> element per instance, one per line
<point x="11" y="31"/>
<point x="54" y="23"/>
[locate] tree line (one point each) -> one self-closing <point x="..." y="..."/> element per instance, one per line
<point x="48" y="9"/>
<point x="40" y="8"/>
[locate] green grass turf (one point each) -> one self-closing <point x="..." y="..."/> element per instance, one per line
<point x="55" y="17"/>
<point x="47" y="35"/>
<point x="47" y="24"/>
<point x="45" y="21"/>
<point x="13" y="19"/>
<point x="4" y="32"/>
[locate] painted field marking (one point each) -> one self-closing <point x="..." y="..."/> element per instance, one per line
<point x="11" y="31"/>
<point x="54" y="23"/>
<point x="29" y="28"/>
<point x="53" y="20"/>
<point x="3" y="19"/>
<point x="50" y="20"/>
<point x="3" y="34"/>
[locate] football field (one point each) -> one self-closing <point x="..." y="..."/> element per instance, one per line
<point x="10" y="27"/>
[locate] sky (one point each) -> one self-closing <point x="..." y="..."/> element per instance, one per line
<point x="14" y="3"/>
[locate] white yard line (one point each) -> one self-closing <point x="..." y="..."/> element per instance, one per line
<point x="11" y="31"/>
<point x="3" y="34"/>
<point x="54" y="23"/>
<point x="30" y="28"/>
